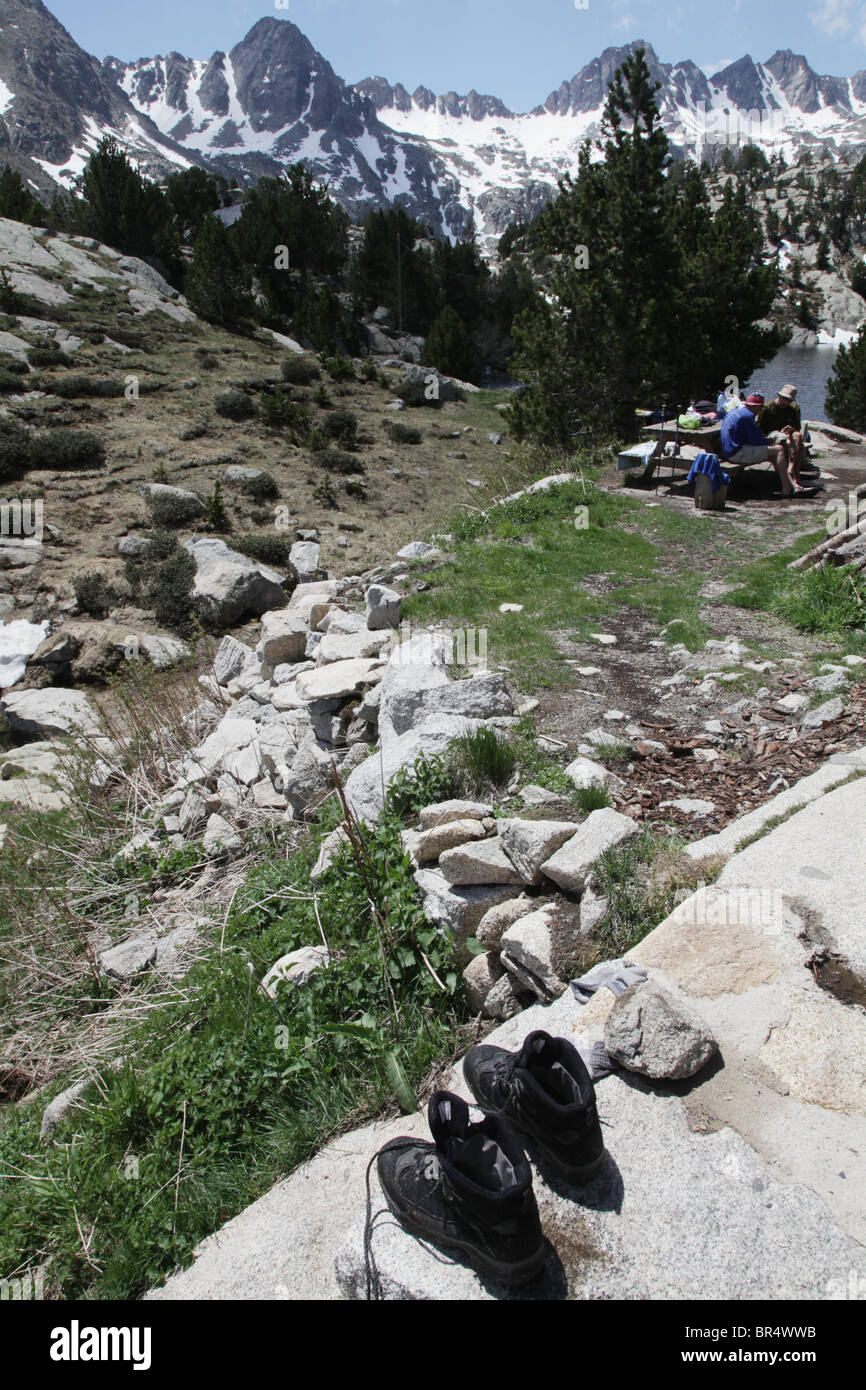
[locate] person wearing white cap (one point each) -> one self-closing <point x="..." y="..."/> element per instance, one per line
<point x="780" y="419"/>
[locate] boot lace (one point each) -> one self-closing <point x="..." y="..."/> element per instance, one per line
<point x="430" y="1169"/>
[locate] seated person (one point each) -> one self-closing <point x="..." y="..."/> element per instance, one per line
<point x="743" y="442"/>
<point x="780" y="419"/>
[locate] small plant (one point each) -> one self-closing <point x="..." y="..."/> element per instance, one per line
<point x="234" y="405"/>
<point x="592" y="798"/>
<point x="325" y="494"/>
<point x="94" y="594"/>
<point x="342" y="427"/>
<point x="369" y="370"/>
<point x="171" y="591"/>
<point x="356" y="487"/>
<point x="413" y="393"/>
<point x="335" y="461"/>
<point x="300" y="370"/>
<point x="404" y="434"/>
<point x="824" y="599"/>
<point x="216" y="518"/>
<point x="482" y="760"/>
<point x="269" y="550"/>
<point x="339" y="367"/>
<point x="277" y="410"/>
<point x="10" y="302"/>
<point x="431" y="779"/>
<point x="321" y="397"/>
<point x="196" y="430"/>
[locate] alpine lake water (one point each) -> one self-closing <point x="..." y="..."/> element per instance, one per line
<point x="807" y="368"/>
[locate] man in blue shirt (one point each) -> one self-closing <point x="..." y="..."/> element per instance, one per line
<point x="743" y="442"/>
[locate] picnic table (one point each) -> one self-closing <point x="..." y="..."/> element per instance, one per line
<point x="706" y="439"/>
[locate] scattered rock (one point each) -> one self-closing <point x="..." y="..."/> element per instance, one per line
<point x="478" y="864"/>
<point x="444" y="811"/>
<point x="230" y="587"/>
<point x="295" y="968"/>
<point x="586" y="773"/>
<point x="827" y="713"/>
<point x="220" y="837"/>
<point x="429" y="844"/>
<point x="653" y="1032"/>
<point x="503" y="1001"/>
<point x="500" y="917"/>
<point x="571" y="864"/>
<point x="479" y="977"/>
<point x="530" y="843"/>
<point x="526" y="951"/>
<point x="383" y="607"/>
<point x="53" y="710"/>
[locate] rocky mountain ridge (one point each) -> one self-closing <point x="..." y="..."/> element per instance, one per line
<point x="272" y="99"/>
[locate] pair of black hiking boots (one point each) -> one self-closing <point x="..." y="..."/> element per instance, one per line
<point x="471" y="1188"/>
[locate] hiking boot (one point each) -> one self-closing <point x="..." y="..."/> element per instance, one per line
<point x="470" y="1190"/>
<point x="546" y="1092"/>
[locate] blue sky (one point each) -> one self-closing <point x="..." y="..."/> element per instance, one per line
<point x="517" y="49"/>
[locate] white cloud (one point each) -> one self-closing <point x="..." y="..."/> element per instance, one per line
<point x="836" y="17"/>
<point x="628" y="21"/>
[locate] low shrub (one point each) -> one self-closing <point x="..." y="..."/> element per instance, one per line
<point x="77" y="384"/>
<point x="404" y="434"/>
<point x="336" y="461"/>
<point x="268" y="550"/>
<point x="342" y="427"/>
<point x="300" y="370"/>
<point x="14" y="451"/>
<point x="94" y="594"/>
<point x="278" y="411"/>
<point x="413" y="393"/>
<point x="65" y="448"/>
<point x="47" y="357"/>
<point x="234" y="405"/>
<point x="339" y="367"/>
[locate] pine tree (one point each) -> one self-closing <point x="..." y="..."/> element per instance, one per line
<point x="846" y="389"/>
<point x="17" y="202"/>
<point x="607" y="324"/>
<point x="217" y="287"/>
<point x="449" y="347"/>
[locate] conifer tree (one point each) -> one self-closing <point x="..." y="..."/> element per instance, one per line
<point x="449" y="347"/>
<point x="217" y="286"/>
<point x="846" y="389"/>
